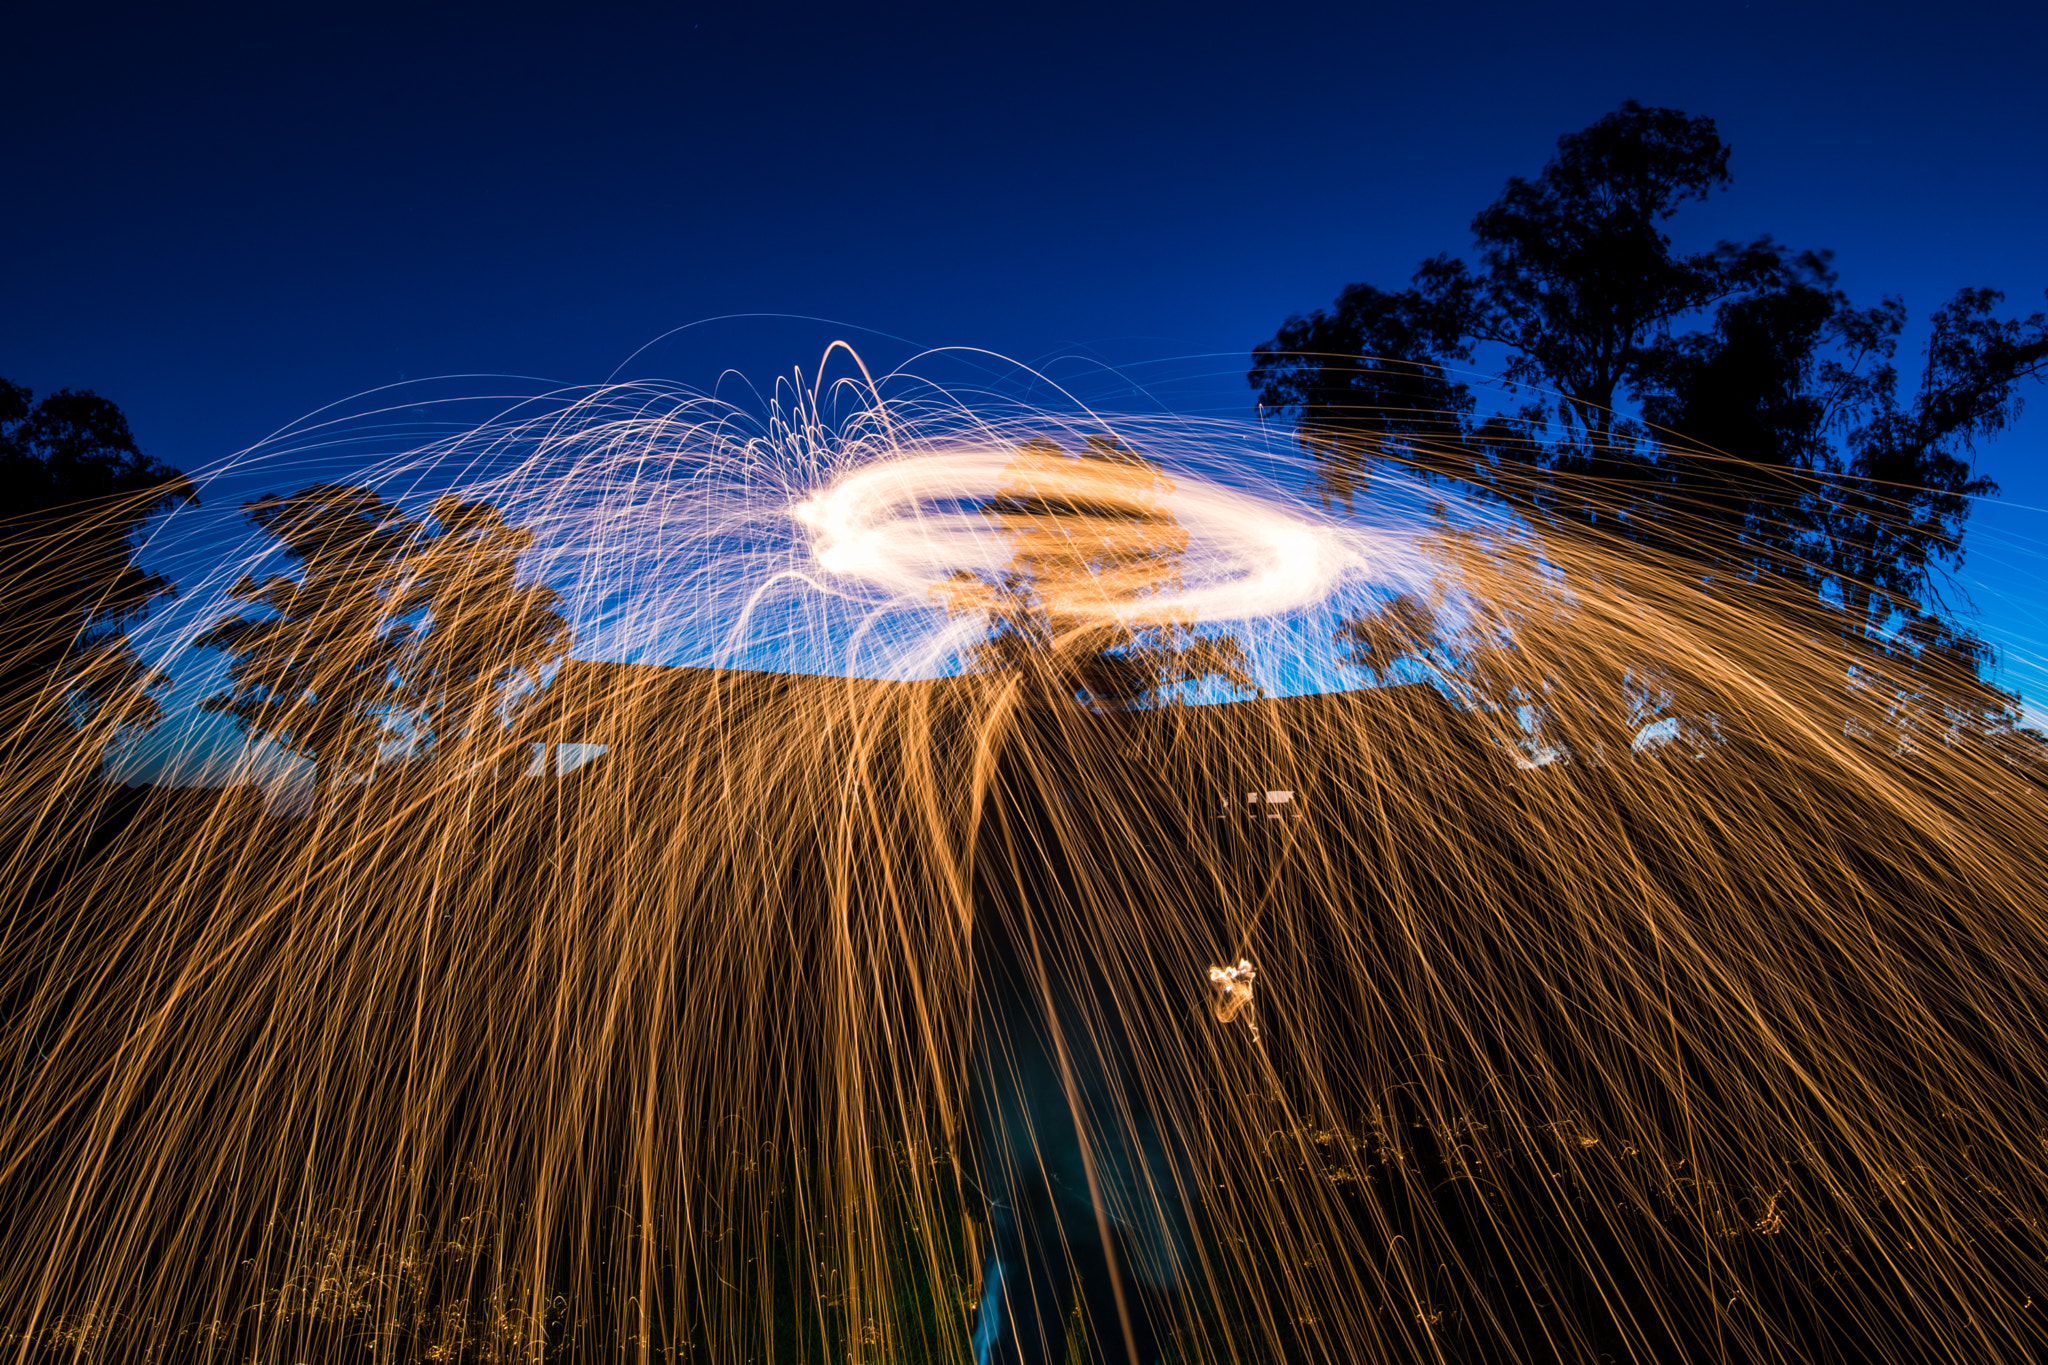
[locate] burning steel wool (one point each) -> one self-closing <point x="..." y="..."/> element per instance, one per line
<point x="1230" y="994"/>
<point x="906" y="525"/>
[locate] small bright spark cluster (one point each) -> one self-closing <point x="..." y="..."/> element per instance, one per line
<point x="1230" y="990"/>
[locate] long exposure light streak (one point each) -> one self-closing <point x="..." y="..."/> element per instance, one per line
<point x="907" y="524"/>
<point x="1647" y="969"/>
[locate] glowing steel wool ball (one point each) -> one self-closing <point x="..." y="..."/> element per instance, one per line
<point x="1230" y="994"/>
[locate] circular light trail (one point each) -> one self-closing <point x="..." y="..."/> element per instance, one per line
<point x="908" y="524"/>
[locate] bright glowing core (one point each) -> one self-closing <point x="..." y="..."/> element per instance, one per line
<point x="906" y="525"/>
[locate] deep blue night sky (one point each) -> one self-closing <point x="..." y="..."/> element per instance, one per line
<point x="225" y="220"/>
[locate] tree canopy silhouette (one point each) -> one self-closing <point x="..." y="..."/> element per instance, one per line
<point x="315" y="667"/>
<point x="397" y="639"/>
<point x="1768" y="438"/>
<point x="481" y="636"/>
<point x="78" y="491"/>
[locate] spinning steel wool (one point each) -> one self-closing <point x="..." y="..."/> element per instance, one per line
<point x="1648" y="969"/>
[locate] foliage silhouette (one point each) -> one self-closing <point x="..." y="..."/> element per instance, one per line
<point x="1770" y="441"/>
<point x="1368" y="378"/>
<point x="396" y="637"/>
<point x="317" y="674"/>
<point x="484" y="640"/>
<point x="77" y="493"/>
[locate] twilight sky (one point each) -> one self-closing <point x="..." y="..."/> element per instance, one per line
<point x="223" y="220"/>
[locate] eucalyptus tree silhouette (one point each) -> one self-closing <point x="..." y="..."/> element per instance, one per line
<point x="78" y="492"/>
<point x="1730" y="406"/>
<point x="482" y="640"/>
<point x="1578" y="283"/>
<point x="314" y="662"/>
<point x="397" y="638"/>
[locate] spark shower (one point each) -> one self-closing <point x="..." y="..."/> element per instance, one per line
<point x="1642" y="971"/>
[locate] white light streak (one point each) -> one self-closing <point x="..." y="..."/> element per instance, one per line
<point x="905" y="524"/>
